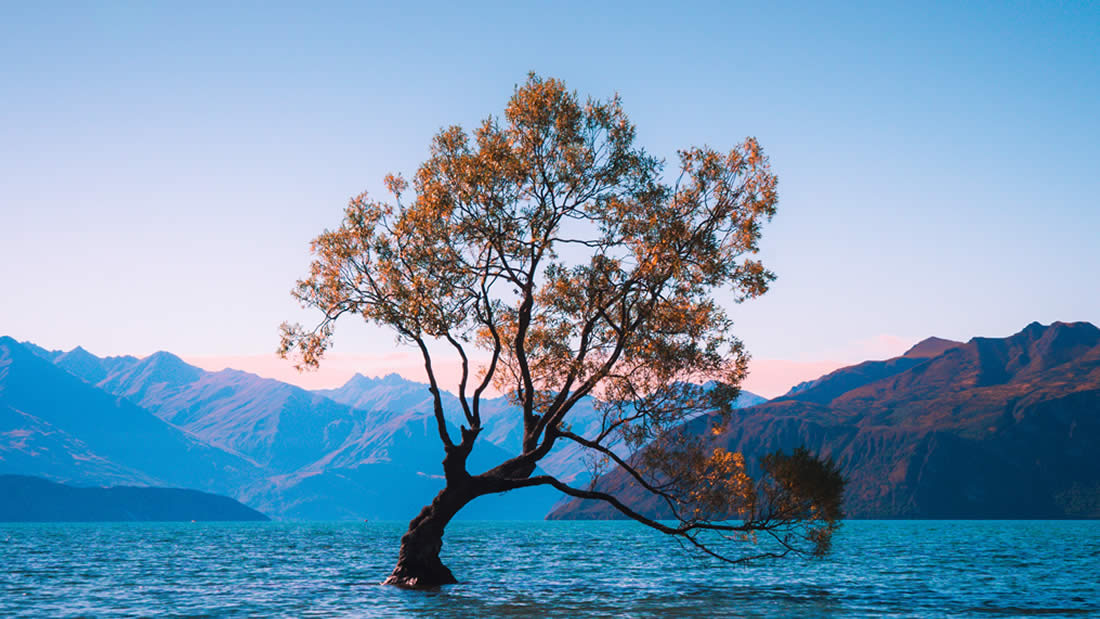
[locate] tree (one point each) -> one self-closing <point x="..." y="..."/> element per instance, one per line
<point x="548" y="241"/>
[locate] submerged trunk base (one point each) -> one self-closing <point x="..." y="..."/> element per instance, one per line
<point x="420" y="576"/>
<point x="418" y="564"/>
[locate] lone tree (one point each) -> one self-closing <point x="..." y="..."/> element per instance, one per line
<point x="549" y="241"/>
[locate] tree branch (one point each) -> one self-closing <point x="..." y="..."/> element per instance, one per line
<point x="437" y="400"/>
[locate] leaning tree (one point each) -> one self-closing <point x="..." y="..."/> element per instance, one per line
<point x="552" y="244"/>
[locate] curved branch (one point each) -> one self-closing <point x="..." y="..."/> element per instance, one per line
<point x="462" y="381"/>
<point x="625" y="466"/>
<point x="437" y="400"/>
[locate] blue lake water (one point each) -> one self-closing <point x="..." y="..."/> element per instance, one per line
<point x="560" y="569"/>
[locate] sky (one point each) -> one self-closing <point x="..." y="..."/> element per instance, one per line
<point x="164" y="165"/>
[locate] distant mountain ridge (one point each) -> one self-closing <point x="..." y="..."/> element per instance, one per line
<point x="990" y="428"/>
<point x="310" y="457"/>
<point x="839" y="381"/>
<point x="368" y="449"/>
<point x="930" y="347"/>
<point x="936" y="432"/>
<point x="55" y="424"/>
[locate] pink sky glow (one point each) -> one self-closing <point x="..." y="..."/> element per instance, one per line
<point x="768" y="377"/>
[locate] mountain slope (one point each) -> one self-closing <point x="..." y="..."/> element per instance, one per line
<point x="52" y="410"/>
<point x="316" y="458"/>
<point x="278" y="426"/>
<point x="993" y="428"/>
<point x="32" y="499"/>
<point x="30" y="445"/>
<point x="375" y="455"/>
<point x="845" y="379"/>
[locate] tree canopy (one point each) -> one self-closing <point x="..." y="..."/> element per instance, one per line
<point x="551" y="255"/>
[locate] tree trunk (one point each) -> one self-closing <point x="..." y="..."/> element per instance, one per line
<point x="418" y="564"/>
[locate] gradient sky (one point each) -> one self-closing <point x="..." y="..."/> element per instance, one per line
<point x="164" y="165"/>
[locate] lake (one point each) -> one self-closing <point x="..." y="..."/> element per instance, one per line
<point x="560" y="569"/>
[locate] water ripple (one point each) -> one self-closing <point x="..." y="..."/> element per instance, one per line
<point x="543" y="569"/>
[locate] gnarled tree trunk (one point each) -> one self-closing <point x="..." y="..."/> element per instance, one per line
<point x="418" y="564"/>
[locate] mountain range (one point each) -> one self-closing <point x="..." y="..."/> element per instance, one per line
<point x="366" y="450"/>
<point x="990" y="428"/>
<point x="993" y="427"/>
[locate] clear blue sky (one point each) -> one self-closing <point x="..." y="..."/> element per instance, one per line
<point x="163" y="166"/>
